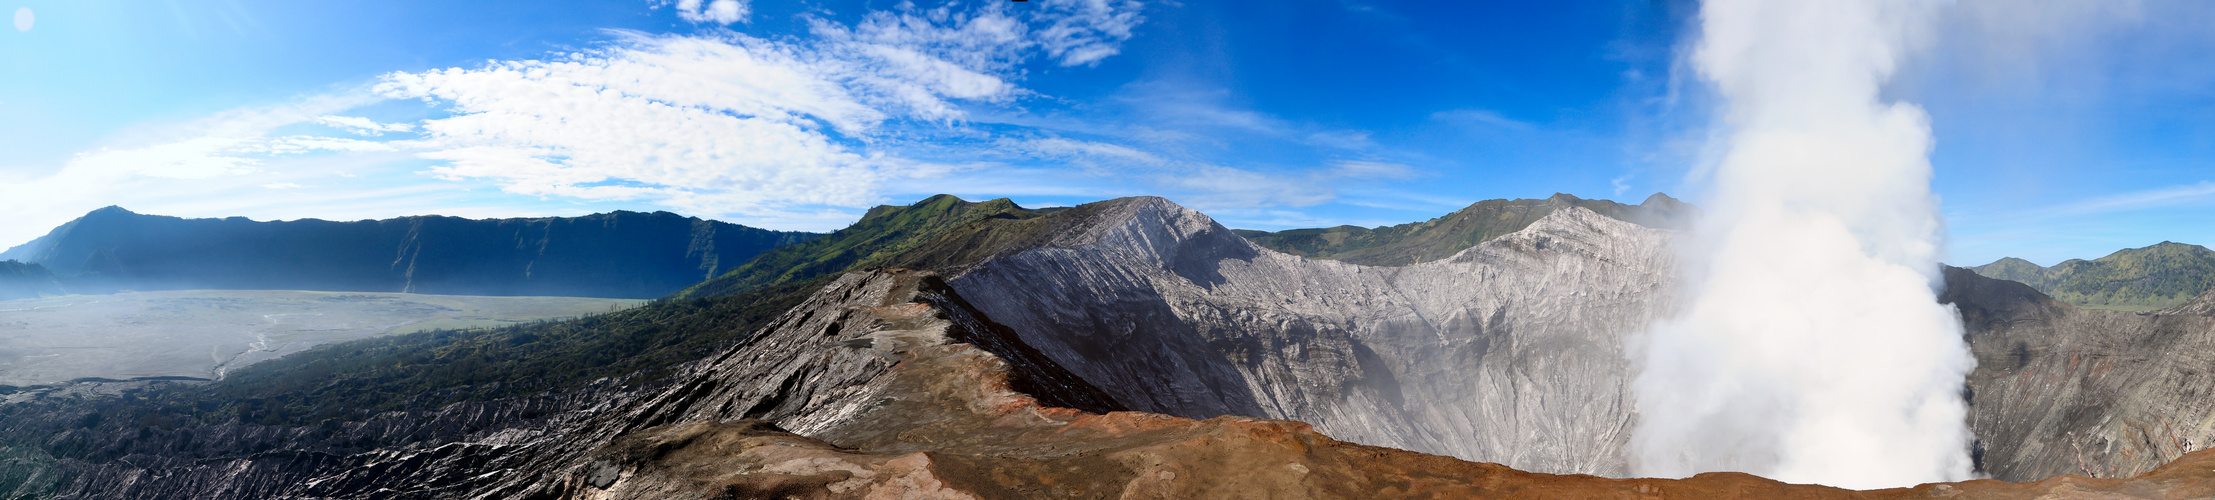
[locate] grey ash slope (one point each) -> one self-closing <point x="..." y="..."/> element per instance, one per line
<point x="1512" y="351"/>
<point x="1506" y="352"/>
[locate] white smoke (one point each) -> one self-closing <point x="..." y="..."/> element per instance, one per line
<point x="1812" y="348"/>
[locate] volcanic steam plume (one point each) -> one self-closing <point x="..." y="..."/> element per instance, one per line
<point x="1812" y="347"/>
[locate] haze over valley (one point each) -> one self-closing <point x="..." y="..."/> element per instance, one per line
<point x="203" y="334"/>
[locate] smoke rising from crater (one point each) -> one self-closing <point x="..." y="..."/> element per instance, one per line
<point x="1812" y="347"/>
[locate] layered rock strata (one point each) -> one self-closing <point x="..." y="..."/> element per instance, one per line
<point x="1508" y="352"/>
<point x="2064" y="390"/>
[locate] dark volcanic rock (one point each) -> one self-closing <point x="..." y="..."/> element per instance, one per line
<point x="618" y="254"/>
<point x="842" y="366"/>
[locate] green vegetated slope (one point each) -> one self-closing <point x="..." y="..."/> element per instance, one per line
<point x="2136" y="279"/>
<point x="357" y="379"/>
<point x="19" y="280"/>
<point x="1445" y="236"/>
<point x="884" y="232"/>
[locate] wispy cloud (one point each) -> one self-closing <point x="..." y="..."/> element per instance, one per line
<point x="2203" y="191"/>
<point x="362" y="126"/>
<point x="1362" y="169"/>
<point x="1482" y="118"/>
<point x="734" y="124"/>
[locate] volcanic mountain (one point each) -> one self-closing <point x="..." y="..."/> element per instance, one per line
<point x="616" y="254"/>
<point x="2132" y="279"/>
<point x="1126" y="348"/>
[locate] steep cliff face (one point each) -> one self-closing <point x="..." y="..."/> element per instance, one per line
<point x="619" y="254"/>
<point x="1507" y="352"/>
<point x="2064" y="390"/>
<point x="1511" y="351"/>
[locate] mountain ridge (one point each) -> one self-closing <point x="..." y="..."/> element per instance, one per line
<point x="882" y="233"/>
<point x="2153" y="277"/>
<point x="1448" y="234"/>
<point x="617" y="254"/>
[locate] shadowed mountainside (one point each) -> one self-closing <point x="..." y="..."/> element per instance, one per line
<point x="2132" y="279"/>
<point x="1450" y="234"/>
<point x="617" y="254"/>
<point x="19" y="280"/>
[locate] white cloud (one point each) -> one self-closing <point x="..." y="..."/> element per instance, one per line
<point x="1086" y="31"/>
<point x="222" y="152"/>
<point x="1087" y="151"/>
<point x="712" y="11"/>
<point x="1225" y="187"/>
<point x="1342" y="139"/>
<point x="1358" y="169"/>
<point x="730" y="123"/>
<point x="362" y="126"/>
<point x="2149" y="198"/>
<point x="790" y="132"/>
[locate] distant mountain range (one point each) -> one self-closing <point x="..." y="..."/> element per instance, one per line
<point x="1444" y="236"/>
<point x="2136" y="279"/>
<point x="616" y="255"/>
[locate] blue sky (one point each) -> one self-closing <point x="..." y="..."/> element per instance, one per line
<point x="2071" y="129"/>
